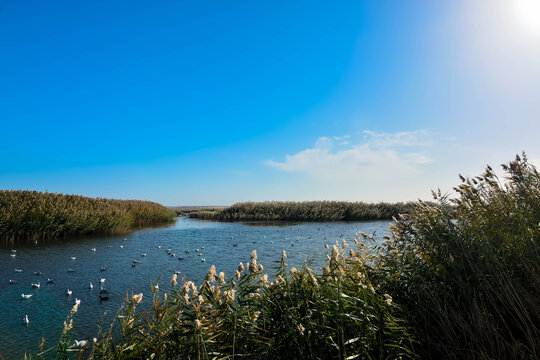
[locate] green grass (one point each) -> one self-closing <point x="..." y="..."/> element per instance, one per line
<point x="33" y="215"/>
<point x="315" y="211"/>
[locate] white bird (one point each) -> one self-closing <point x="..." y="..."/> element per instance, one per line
<point x="12" y="282"/>
<point x="13" y="251"/>
<point x="121" y="246"/>
<point x="50" y="281"/>
<point x="12" y="255"/>
<point x="36" y="286"/>
<point x="143" y="254"/>
<point x="159" y="247"/>
<point x="78" y="344"/>
<point x="101" y="281"/>
<point x="71" y="270"/>
<point x="197" y="250"/>
<point x="23" y="296"/>
<point x="156" y="287"/>
<point x="90" y="286"/>
<point x="69" y="292"/>
<point x="203" y="259"/>
<point x="73" y="258"/>
<point x="17" y="270"/>
<point x="93" y="249"/>
<point x="25" y="320"/>
<point x="77" y="301"/>
<point x="109" y="246"/>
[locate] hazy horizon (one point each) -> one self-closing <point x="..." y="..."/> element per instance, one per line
<point x="184" y="103"/>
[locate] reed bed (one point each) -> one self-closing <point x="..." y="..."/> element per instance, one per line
<point x="33" y="215"/>
<point x="466" y="273"/>
<point x="315" y="211"/>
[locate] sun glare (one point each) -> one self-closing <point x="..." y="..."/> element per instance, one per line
<point x="528" y="14"/>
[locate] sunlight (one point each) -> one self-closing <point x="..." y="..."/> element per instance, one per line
<point x="528" y="13"/>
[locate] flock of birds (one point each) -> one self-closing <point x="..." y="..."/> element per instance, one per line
<point x="103" y="293"/>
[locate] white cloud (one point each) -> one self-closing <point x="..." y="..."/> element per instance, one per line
<point x="375" y="157"/>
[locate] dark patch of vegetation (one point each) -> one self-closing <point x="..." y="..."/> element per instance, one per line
<point x="315" y="211"/>
<point x="33" y="215"/>
<point x="467" y="276"/>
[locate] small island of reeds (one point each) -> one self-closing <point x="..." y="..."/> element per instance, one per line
<point x="315" y="211"/>
<point x="33" y="215"/>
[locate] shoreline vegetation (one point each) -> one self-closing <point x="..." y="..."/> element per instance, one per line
<point x="34" y="215"/>
<point x="456" y="279"/>
<point x="308" y="211"/>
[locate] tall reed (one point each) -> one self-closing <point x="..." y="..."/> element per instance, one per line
<point x="467" y="272"/>
<point x="32" y="215"/>
<point x="305" y="211"/>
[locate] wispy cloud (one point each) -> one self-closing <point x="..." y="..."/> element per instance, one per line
<point x="372" y="156"/>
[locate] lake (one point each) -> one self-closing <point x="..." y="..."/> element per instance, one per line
<point x="225" y="245"/>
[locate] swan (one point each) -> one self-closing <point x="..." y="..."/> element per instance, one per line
<point x="36" y="286"/>
<point x="25" y="320"/>
<point x="78" y="344"/>
<point x="69" y="292"/>
<point x="23" y="296"/>
<point x="90" y="286"/>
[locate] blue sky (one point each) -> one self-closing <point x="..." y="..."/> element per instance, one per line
<point x="214" y="102"/>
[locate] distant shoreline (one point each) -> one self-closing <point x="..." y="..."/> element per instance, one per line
<point x="305" y="211"/>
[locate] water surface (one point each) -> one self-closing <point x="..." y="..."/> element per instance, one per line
<point x="225" y="245"/>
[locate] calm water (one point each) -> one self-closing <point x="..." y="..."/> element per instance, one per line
<point x="49" y="305"/>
